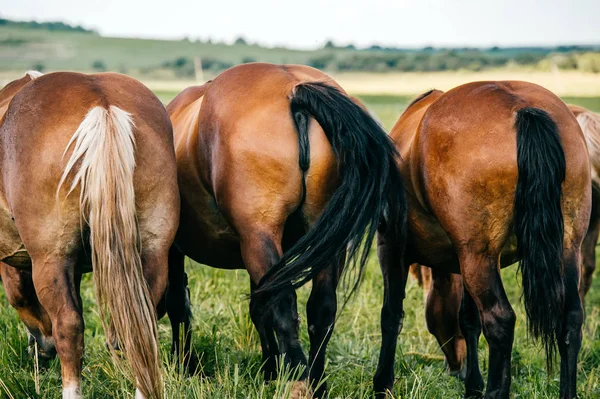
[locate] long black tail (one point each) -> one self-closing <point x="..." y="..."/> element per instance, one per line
<point x="371" y="186"/>
<point x="539" y="224"/>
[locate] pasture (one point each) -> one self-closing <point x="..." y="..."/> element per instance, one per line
<point x="225" y="338"/>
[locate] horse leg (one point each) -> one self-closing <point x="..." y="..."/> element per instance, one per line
<point x="588" y="248"/>
<point x="320" y="311"/>
<point x="20" y="292"/>
<point x="569" y="341"/>
<point x="470" y="325"/>
<point x="260" y="250"/>
<point x="268" y="342"/>
<point x="442" y="315"/>
<point x="392" y="311"/>
<point x="482" y="280"/>
<point x="179" y="311"/>
<point x="55" y="284"/>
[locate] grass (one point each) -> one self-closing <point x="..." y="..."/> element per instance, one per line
<point x="21" y="48"/>
<point x="230" y="351"/>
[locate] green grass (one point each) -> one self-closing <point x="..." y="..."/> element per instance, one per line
<point x="224" y="336"/>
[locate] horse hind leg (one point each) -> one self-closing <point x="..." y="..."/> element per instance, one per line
<point x="588" y="248"/>
<point x="268" y="341"/>
<point x="470" y="324"/>
<point x="321" y="310"/>
<point x="178" y="308"/>
<point x="482" y="280"/>
<point x="392" y="311"/>
<point x="442" y="315"/>
<point x="569" y="341"/>
<point x="260" y="250"/>
<point x="20" y="292"/>
<point x="56" y="287"/>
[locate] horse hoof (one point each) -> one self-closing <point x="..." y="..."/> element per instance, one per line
<point x="46" y="351"/>
<point x="461" y="373"/>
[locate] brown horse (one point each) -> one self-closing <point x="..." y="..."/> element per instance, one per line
<point x="278" y="169"/>
<point x="89" y="182"/>
<point x="495" y="172"/>
<point x="444" y="291"/>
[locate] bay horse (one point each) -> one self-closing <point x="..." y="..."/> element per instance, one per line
<point x="279" y="168"/>
<point x="444" y="290"/>
<point x="89" y="182"/>
<point x="495" y="172"/>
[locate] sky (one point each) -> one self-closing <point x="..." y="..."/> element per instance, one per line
<point x="310" y="23"/>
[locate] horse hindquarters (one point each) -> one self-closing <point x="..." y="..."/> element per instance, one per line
<point x="394" y="273"/>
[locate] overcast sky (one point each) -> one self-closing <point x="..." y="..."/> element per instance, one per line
<point x="309" y="23"/>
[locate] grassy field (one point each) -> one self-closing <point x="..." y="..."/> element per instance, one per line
<point x="20" y="49"/>
<point x="229" y="346"/>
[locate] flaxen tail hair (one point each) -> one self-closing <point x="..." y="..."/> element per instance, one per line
<point x="590" y="125"/>
<point x="103" y="147"/>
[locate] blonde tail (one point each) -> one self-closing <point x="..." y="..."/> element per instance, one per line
<point x="104" y="147"/>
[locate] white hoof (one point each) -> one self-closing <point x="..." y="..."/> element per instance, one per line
<point x="138" y="394"/>
<point x="71" y="393"/>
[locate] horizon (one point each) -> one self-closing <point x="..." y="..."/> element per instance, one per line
<point x="250" y="42"/>
<point x="553" y="27"/>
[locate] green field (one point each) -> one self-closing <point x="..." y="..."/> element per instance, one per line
<point x="229" y="346"/>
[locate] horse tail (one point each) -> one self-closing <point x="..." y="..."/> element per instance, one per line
<point x="104" y="148"/>
<point x="539" y="224"/>
<point x="370" y="188"/>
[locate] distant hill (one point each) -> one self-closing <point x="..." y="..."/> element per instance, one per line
<point x="51" y="26"/>
<point x="58" y="46"/>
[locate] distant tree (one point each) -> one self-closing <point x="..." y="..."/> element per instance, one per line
<point x="246" y="60"/>
<point x="51" y="26"/>
<point x="240" y="41"/>
<point x="39" y="67"/>
<point x="322" y="61"/>
<point x="99" y="66"/>
<point x="350" y="47"/>
<point x="329" y="45"/>
<point x="181" y="62"/>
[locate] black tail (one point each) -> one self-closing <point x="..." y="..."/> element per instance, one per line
<point x="539" y="224"/>
<point x="370" y="186"/>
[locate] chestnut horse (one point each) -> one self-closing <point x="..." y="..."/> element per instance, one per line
<point x="278" y="168"/>
<point x="89" y="182"/>
<point x="445" y="290"/>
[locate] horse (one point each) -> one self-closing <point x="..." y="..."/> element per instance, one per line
<point x="278" y="168"/>
<point x="494" y="172"/>
<point x="444" y="291"/>
<point x="590" y="125"/>
<point x="89" y="182"/>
